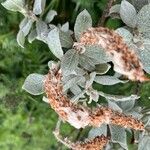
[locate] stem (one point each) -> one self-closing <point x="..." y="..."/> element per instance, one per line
<point x="58" y="137"/>
<point x="79" y="134"/>
<point x="137" y="88"/>
<point x="105" y="13"/>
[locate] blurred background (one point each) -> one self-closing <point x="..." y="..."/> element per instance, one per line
<point x="26" y="122"/>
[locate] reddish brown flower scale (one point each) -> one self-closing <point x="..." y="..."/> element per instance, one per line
<point x="79" y="116"/>
<point x="98" y="143"/>
<point x="125" y="60"/>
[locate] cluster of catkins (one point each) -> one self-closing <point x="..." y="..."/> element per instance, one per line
<point x="125" y="62"/>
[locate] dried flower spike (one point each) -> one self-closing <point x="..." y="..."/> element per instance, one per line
<point x="125" y="60"/>
<point x="79" y="116"/>
<point x="97" y="143"/>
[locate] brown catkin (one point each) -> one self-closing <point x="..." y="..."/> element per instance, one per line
<point x="97" y="143"/>
<point x="79" y="116"/>
<point x="125" y="60"/>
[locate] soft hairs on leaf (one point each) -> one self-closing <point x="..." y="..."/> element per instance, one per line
<point x="34" y="84"/>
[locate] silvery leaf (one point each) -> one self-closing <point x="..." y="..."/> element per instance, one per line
<point x="114" y="9"/>
<point x="108" y="80"/>
<point x="70" y="61"/>
<point x="90" y="63"/>
<point x="32" y="35"/>
<point x="65" y="39"/>
<point x="39" y="6"/>
<point x="34" y="84"/>
<point x="102" y="130"/>
<point x="65" y="27"/>
<point x="53" y="65"/>
<point x="127" y="35"/>
<point x="14" y="5"/>
<point x="138" y="4"/>
<point x="97" y="54"/>
<point x="128" y="14"/>
<point x="75" y="89"/>
<point x="114" y="106"/>
<point x="118" y="98"/>
<point x="127" y="105"/>
<point x="42" y="30"/>
<point x="144" y="55"/>
<point x="118" y="135"/>
<point x="73" y="81"/>
<point x="54" y="44"/>
<point x="143" y="20"/>
<point x="94" y="95"/>
<point x="102" y="68"/>
<point x="144" y="143"/>
<point x="78" y="96"/>
<point x="91" y="80"/>
<point x="83" y="22"/>
<point x="50" y="16"/>
<point x="26" y="25"/>
<point x="21" y="38"/>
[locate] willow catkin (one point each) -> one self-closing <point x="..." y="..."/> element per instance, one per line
<point x="98" y="143"/>
<point x="125" y="60"/>
<point x="79" y="116"/>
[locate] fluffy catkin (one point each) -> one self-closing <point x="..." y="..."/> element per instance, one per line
<point x="97" y="143"/>
<point x="125" y="60"/>
<point x="79" y="116"/>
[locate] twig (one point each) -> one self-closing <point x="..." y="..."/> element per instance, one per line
<point x="105" y="13"/>
<point x="79" y="134"/>
<point x="137" y="88"/>
<point x="58" y="137"/>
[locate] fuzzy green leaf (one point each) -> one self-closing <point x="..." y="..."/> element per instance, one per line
<point x="65" y="27"/>
<point x="138" y="4"/>
<point x="118" y="97"/>
<point x="144" y="143"/>
<point x="32" y="35"/>
<point x="114" y="9"/>
<point x="71" y="82"/>
<point x="102" y="68"/>
<point x="98" y="131"/>
<point x="70" y="62"/>
<point x="54" y="44"/>
<point x="118" y="135"/>
<point x="21" y="38"/>
<point x="50" y="16"/>
<point x="39" y="6"/>
<point x="108" y="80"/>
<point x="127" y="35"/>
<point x="114" y="106"/>
<point x="65" y="39"/>
<point x="127" y="105"/>
<point x="14" y="5"/>
<point x="26" y="25"/>
<point x="143" y="20"/>
<point x="42" y="30"/>
<point x="83" y="22"/>
<point x="91" y="80"/>
<point x="97" y="54"/>
<point x="144" y="54"/>
<point x="93" y="95"/>
<point x="34" y="84"/>
<point x="128" y="14"/>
